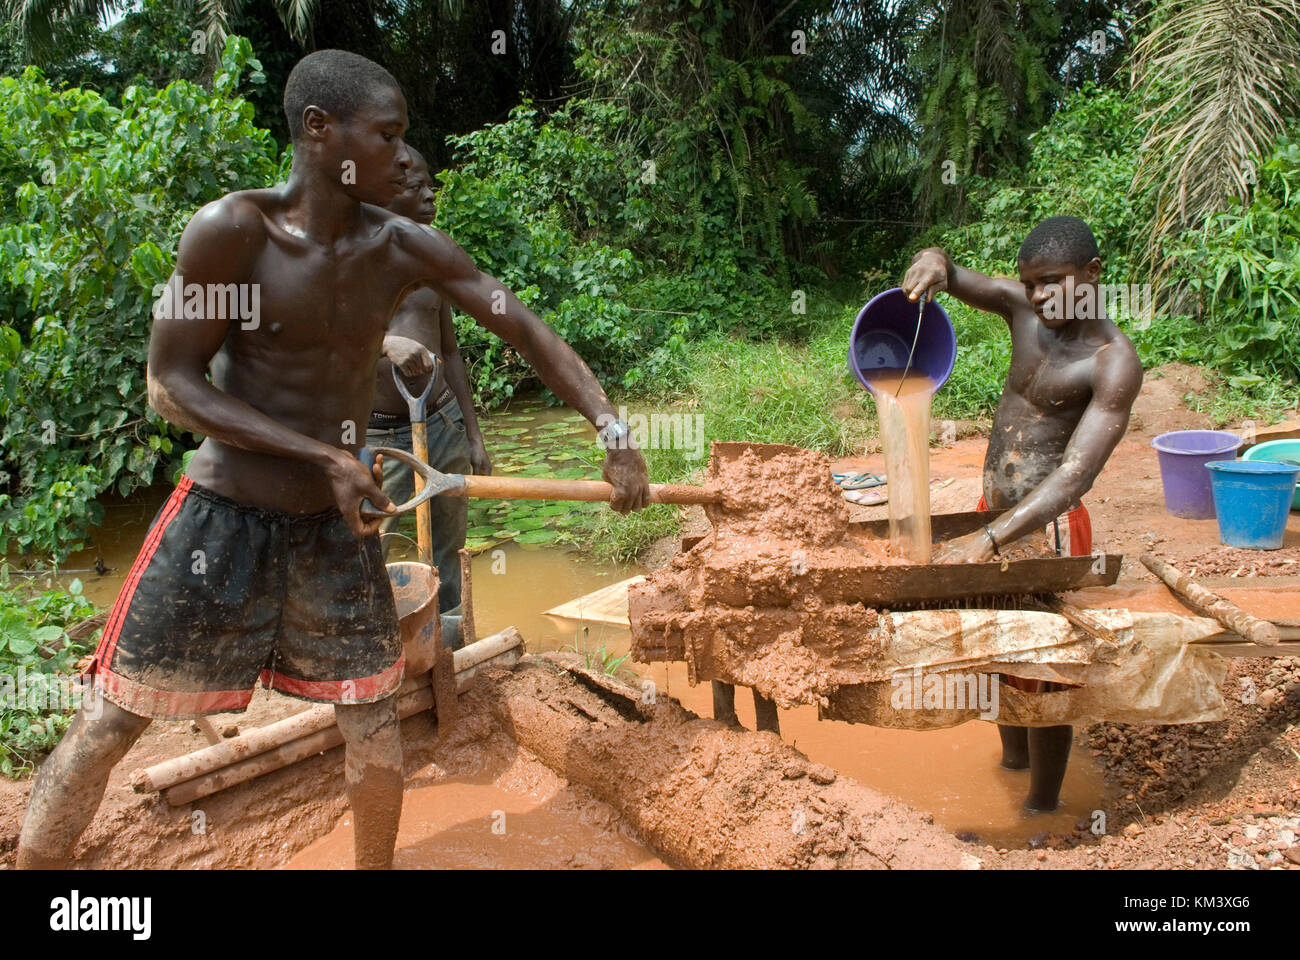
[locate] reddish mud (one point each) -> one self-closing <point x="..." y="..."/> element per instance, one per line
<point x="702" y="793"/>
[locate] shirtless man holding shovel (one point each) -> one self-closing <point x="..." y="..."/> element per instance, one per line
<point x="260" y="565"/>
<point x="1065" y="407"/>
<point x="455" y="443"/>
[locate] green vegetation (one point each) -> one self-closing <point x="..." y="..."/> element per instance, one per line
<point x="98" y="195"/>
<point x="36" y="661"/>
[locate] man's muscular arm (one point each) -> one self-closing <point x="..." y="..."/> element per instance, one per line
<point x="220" y="245"/>
<point x="1117" y="380"/>
<point x="453" y="275"/>
<point x="932" y="270"/>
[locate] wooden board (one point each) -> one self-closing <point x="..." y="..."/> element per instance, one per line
<point x="943" y="526"/>
<point x="606" y="605"/>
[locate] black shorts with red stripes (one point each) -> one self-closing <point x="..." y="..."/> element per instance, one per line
<point x="223" y="595"/>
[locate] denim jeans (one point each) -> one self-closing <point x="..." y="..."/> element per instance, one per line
<point x="448" y="453"/>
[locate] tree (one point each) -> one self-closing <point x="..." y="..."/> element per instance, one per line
<point x="1219" y="78"/>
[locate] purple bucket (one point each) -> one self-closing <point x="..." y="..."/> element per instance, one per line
<point x="882" y="338"/>
<point x="1183" y="455"/>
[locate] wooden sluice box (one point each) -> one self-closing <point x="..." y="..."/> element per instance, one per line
<point x="844" y="636"/>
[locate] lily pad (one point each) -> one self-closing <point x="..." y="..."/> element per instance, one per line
<point x="537" y="536"/>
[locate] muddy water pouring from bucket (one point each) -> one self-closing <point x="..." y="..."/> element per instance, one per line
<point x="903" y="351"/>
<point x="903" y="406"/>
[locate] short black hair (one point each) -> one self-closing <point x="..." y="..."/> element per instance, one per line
<point x="1060" y="239"/>
<point x="337" y="81"/>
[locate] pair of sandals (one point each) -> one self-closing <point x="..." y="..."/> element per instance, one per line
<point x="865" y="490"/>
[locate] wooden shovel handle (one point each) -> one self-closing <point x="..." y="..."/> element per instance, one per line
<point x="1211" y="605"/>
<point x="540" y="488"/>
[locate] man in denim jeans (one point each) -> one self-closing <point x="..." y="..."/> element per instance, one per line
<point x="455" y="443"/>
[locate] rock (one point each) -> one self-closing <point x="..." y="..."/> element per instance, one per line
<point x="968" y="836"/>
<point x="1238" y="860"/>
<point x="230" y="730"/>
<point x="794" y="770"/>
<point x="1133" y="830"/>
<point x="820" y="773"/>
<point x="1292" y="854"/>
<point x="1267" y="698"/>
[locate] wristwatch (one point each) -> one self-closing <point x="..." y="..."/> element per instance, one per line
<point x="615" y="435"/>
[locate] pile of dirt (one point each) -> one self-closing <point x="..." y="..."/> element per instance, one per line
<point x="1241" y="562"/>
<point x="1160" y="405"/>
<point x="784" y="496"/>
<point x="1199" y="796"/>
<point x="704" y="794"/>
<point x="766" y="600"/>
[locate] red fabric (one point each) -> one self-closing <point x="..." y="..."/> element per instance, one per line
<point x="1080" y="524"/>
<point x="1080" y="528"/>
<point x="104" y="652"/>
<point x="358" y="690"/>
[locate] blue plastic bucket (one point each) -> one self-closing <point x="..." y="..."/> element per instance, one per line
<point x="882" y="337"/>
<point x="1183" y="455"/>
<point x="1252" y="499"/>
<point x="1279" y="451"/>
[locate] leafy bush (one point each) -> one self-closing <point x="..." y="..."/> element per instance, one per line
<point x="36" y="663"/>
<point x="559" y="212"/>
<point x="1243" y="269"/>
<point x="103" y="194"/>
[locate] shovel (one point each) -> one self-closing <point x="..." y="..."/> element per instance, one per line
<point x="422" y="627"/>
<point x="434" y="483"/>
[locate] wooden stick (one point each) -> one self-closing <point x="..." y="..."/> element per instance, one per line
<point x="765" y="716"/>
<point x="543" y="488"/>
<point x="467" y="632"/>
<point x="207" y="729"/>
<point x="281" y="756"/>
<point x="724" y="702"/>
<point x="417" y="701"/>
<point x="1079" y="618"/>
<point x="423" y="513"/>
<point x="1211" y="605"/>
<point x="160" y="776"/>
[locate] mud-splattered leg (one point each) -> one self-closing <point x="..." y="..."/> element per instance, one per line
<point x="72" y="781"/>
<point x="1049" y="752"/>
<point x="1015" y="747"/>
<point x="374" y="774"/>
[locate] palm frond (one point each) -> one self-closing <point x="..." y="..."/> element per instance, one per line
<point x="1219" y="75"/>
<point x="37" y="20"/>
<point x="298" y="17"/>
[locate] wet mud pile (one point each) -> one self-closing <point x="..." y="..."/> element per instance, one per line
<point x="699" y="792"/>
<point x="771" y="598"/>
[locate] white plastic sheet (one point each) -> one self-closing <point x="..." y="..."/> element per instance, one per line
<point x="1154" y="674"/>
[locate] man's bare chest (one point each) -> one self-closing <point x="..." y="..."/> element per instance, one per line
<point x="326" y="299"/>
<point x="1055" y="381"/>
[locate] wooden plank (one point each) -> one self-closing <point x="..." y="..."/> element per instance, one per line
<point x="1281" y="431"/>
<point x="1210" y="604"/>
<point x="900" y="586"/>
<point x="606" y="605"/>
<point x="943" y="526"/>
